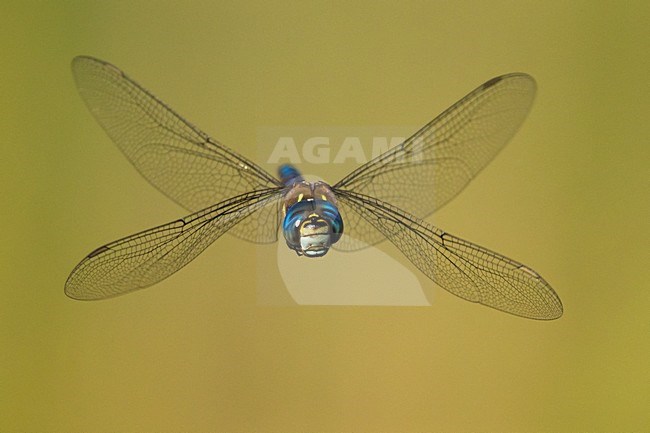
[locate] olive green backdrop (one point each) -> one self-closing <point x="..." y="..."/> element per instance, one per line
<point x="200" y="352"/>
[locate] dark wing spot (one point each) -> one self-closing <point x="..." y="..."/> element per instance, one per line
<point x="98" y="251"/>
<point x="492" y="82"/>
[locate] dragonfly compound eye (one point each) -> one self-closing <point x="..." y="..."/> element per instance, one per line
<point x="310" y="227"/>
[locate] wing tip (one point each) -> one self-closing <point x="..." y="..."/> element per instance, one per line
<point x="513" y="75"/>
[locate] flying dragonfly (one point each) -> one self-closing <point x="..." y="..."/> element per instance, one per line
<point x="386" y="198"/>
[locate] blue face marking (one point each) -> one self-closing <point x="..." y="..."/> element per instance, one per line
<point x="311" y="227"/>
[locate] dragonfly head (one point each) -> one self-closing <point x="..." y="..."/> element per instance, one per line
<point x="311" y="227"/>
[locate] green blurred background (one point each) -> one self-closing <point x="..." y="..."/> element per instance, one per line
<point x="569" y="197"/>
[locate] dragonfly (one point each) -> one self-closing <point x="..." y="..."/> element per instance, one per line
<point x="385" y="198"/>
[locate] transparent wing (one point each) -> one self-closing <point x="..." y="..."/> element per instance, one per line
<point x="437" y="162"/>
<point x="469" y="271"/>
<point x="150" y="256"/>
<point x="176" y="157"/>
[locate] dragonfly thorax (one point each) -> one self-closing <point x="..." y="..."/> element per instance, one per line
<point x="312" y="222"/>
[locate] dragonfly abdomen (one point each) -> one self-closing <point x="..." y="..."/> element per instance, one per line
<point x="289" y="174"/>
